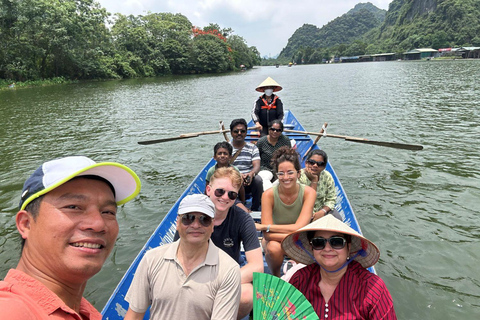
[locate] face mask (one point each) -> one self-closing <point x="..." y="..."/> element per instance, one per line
<point x="268" y="92"/>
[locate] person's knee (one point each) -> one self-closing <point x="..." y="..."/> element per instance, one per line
<point x="247" y="293"/>
<point x="273" y="248"/>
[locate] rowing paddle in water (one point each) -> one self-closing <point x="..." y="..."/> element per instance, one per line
<point x="185" y="136"/>
<point x="363" y="140"/>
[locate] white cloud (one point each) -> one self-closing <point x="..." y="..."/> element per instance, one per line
<point x="265" y="24"/>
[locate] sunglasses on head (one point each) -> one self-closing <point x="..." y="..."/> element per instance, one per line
<point x="318" y="163"/>
<point x="336" y="242"/>
<point x="239" y="131"/>
<point x="232" y="195"/>
<point x="188" y="218"/>
<point x="276" y="130"/>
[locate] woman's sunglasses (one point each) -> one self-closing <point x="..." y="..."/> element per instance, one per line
<point x="336" y="242"/>
<point x="275" y="129"/>
<point x="187" y="219"/>
<point x="232" y="195"/>
<point x="318" y="163"/>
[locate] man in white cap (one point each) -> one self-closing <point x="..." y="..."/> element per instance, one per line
<point x="68" y="224"/>
<point x="268" y="106"/>
<point x="190" y="278"/>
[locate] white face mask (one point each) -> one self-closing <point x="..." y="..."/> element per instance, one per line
<point x="268" y="92"/>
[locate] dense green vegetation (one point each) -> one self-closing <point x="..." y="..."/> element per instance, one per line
<point x="408" y="24"/>
<point x="78" y="39"/>
<point x="311" y="44"/>
<point x="428" y="23"/>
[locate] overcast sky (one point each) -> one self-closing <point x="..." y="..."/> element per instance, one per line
<point x="265" y="24"/>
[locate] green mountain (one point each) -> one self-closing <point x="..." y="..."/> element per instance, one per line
<point x="379" y="13"/>
<point x="427" y="23"/>
<point x="407" y="24"/>
<point x="342" y="30"/>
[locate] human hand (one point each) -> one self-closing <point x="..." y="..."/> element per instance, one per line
<point x="258" y="126"/>
<point x="319" y="214"/>
<point x="247" y="179"/>
<point x="311" y="176"/>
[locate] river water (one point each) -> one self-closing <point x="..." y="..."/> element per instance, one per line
<point x="420" y="207"/>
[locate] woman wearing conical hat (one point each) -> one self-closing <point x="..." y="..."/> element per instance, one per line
<point x="268" y="106"/>
<point x="335" y="280"/>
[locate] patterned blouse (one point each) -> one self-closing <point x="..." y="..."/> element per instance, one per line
<point x="326" y="195"/>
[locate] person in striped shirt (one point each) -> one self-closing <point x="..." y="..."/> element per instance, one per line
<point x="335" y="280"/>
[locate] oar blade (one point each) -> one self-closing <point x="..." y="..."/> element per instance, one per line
<point x="395" y="145"/>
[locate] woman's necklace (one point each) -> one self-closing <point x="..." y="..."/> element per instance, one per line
<point x="288" y="198"/>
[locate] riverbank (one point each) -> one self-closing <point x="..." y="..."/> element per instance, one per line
<point x="6" y="84"/>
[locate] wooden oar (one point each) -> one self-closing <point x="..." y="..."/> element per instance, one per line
<point x="316" y="140"/>
<point x="224" y="131"/>
<point x="366" y="141"/>
<point x="185" y="136"/>
<point x="182" y="136"/>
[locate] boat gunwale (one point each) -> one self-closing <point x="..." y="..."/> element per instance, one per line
<point x="165" y="231"/>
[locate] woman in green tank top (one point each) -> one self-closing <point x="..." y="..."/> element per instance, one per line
<point x="285" y="208"/>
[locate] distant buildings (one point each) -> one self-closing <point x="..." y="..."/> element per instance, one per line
<point x="415" y="54"/>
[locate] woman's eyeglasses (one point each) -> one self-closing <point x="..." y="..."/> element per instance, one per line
<point x="336" y="242"/>
<point x="239" y="131"/>
<point x="286" y="174"/>
<point x="187" y="219"/>
<point x="318" y="163"/>
<point x="232" y="195"/>
<point x="275" y="129"/>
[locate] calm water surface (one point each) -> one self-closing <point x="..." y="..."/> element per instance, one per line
<point x="420" y="208"/>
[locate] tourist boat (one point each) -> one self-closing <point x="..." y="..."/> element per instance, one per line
<point x="117" y="307"/>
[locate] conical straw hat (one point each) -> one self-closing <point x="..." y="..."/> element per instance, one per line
<point x="297" y="246"/>
<point x="269" y="82"/>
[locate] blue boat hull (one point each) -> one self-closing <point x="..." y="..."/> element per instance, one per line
<point x="117" y="307"/>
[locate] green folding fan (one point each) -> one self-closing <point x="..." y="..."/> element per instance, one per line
<point x="275" y="299"/>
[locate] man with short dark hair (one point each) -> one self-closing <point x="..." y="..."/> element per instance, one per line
<point x="68" y="224"/>
<point x="247" y="159"/>
<point x="190" y="278"/>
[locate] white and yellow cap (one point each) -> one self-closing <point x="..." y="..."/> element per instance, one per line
<point x="54" y="173"/>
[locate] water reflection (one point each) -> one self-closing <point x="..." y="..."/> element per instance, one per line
<point x="421" y="208"/>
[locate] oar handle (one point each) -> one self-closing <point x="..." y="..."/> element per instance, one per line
<point x="224" y="131"/>
<point x="316" y="140"/>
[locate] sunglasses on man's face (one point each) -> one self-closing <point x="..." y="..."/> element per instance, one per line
<point x="187" y="219"/>
<point x="232" y="195"/>
<point x="318" y="163"/>
<point x="239" y="131"/>
<point x="336" y="242"/>
<point x="276" y="130"/>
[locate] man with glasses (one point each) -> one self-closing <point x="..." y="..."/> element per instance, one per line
<point x="189" y="278"/>
<point x="247" y="159"/>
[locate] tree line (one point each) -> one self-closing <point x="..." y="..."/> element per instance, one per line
<point x="78" y="39"/>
